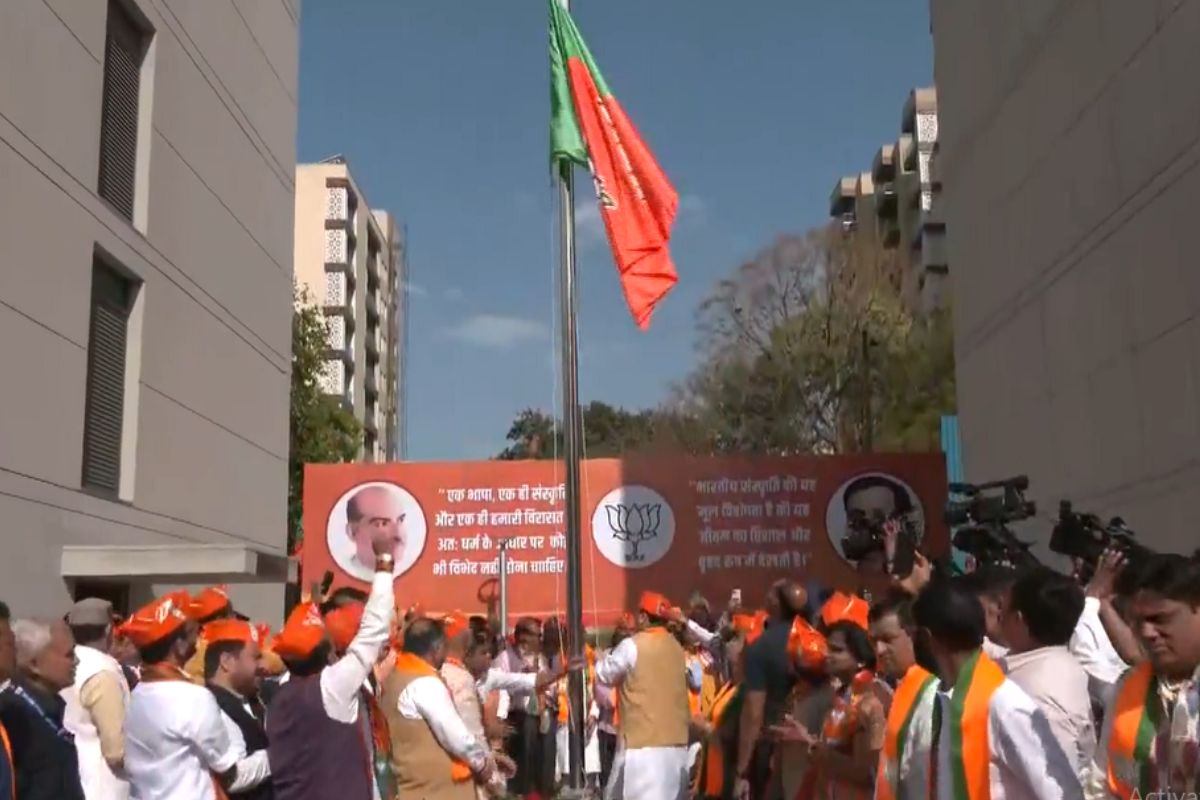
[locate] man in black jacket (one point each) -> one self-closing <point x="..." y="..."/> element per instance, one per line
<point x="231" y="666"/>
<point x="43" y="751"/>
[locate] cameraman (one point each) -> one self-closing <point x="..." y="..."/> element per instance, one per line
<point x="1103" y="643"/>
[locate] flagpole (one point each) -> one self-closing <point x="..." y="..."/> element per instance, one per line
<point x="572" y="447"/>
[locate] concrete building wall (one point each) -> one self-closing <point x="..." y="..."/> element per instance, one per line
<point x="206" y="434"/>
<point x="1070" y="162"/>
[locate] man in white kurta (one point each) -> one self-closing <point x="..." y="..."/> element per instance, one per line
<point x="96" y="703"/>
<point x="649" y="669"/>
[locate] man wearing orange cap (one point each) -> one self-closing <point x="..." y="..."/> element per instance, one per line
<point x="210" y="605"/>
<point x="768" y="685"/>
<point x="649" y="669"/>
<point x="342" y="622"/>
<point x="231" y="667"/>
<point x="176" y="744"/>
<point x="321" y="743"/>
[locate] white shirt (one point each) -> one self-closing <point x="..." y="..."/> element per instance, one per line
<point x="175" y="740"/>
<point x="1026" y="761"/>
<point x="1058" y="684"/>
<point x="498" y="680"/>
<point x="342" y="681"/>
<point x="427" y="698"/>
<point x="1095" y="652"/>
<point x="513" y="663"/>
<point x="993" y="650"/>
<point x="617" y="662"/>
<point x="254" y="768"/>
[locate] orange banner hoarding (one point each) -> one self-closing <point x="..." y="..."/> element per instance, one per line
<point x="672" y="525"/>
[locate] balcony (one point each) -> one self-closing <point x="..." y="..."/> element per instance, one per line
<point x="885" y="201"/>
<point x="883" y="168"/>
<point x="841" y="201"/>
<point x="333" y="378"/>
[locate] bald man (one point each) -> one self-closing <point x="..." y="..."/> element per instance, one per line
<point x="768" y="683"/>
<point x="370" y="509"/>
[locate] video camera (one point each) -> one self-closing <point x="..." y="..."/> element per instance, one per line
<point x="982" y="518"/>
<point x="866" y="536"/>
<point x="1086" y="537"/>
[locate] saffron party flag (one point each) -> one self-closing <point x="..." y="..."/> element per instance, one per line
<point x="588" y="127"/>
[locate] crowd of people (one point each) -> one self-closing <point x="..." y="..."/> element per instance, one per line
<point x="1002" y="684"/>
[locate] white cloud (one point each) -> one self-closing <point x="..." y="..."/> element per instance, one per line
<point x="496" y="331"/>
<point x="416" y="290"/>
<point x="589" y="226"/>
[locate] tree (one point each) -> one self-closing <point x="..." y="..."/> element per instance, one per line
<point x="812" y="347"/>
<point x="608" y="431"/>
<point x="322" y="430"/>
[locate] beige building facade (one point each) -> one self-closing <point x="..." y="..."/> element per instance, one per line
<point x="1069" y="153"/>
<point x="349" y="259"/>
<point x="897" y="202"/>
<point x="147" y="155"/>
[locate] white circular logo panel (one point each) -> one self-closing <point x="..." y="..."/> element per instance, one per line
<point x="633" y="526"/>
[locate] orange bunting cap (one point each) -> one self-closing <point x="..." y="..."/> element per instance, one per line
<point x="757" y="626"/>
<point x="343" y="624"/>
<point x="806" y="647"/>
<point x="302" y="633"/>
<point x="157" y="621"/>
<point x="230" y="630"/>
<point x="654" y="604"/>
<point x="845" y="607"/>
<point x="211" y="601"/>
<point x="455" y="624"/>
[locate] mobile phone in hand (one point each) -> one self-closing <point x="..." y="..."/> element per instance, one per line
<point x="735" y="598"/>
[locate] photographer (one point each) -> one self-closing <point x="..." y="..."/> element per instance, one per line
<point x="1103" y="643"/>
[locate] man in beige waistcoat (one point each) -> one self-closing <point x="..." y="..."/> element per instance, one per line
<point x="434" y="755"/>
<point x="649" y="670"/>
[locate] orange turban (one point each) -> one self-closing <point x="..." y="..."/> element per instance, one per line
<point x="157" y="621"/>
<point x="343" y="624"/>
<point x="302" y="634"/>
<point x="757" y="626"/>
<point x="845" y="607"/>
<point x="230" y="630"/>
<point x="212" y="600"/>
<point x="654" y="604"/>
<point x="806" y="647"/>
<point x="455" y="624"/>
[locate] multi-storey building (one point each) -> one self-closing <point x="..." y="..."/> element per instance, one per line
<point x="350" y="261"/>
<point x="147" y="150"/>
<point x="1070" y="158"/>
<point x="897" y="202"/>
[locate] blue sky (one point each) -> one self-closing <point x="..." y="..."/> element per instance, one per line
<point x="442" y="108"/>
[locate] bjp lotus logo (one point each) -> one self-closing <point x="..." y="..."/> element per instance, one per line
<point x="633" y="526"/>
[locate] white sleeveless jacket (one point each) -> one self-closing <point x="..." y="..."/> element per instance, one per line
<point x="99" y="782"/>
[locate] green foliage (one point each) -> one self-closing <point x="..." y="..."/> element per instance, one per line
<point x="322" y="430"/>
<point x="811" y="347"/>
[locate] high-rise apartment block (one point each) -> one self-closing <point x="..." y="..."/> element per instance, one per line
<point x="350" y="261"/>
<point x="147" y="155"/>
<point x="896" y="202"/>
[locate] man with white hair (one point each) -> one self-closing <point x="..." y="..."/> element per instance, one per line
<point x="47" y="767"/>
<point x="96" y="702"/>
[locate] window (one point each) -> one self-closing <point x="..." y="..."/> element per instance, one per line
<point x="124" y="49"/>
<point x="104" y="410"/>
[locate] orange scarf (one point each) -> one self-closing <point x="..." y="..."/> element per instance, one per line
<point x="12" y="766"/>
<point x="414" y="665"/>
<point x="714" y="758"/>
<point x="161" y="673"/>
